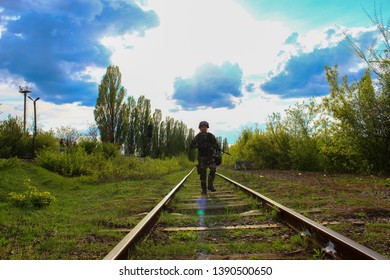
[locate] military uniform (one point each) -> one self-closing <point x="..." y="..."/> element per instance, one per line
<point x="207" y="146"/>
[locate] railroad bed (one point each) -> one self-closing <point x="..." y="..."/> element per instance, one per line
<point x="227" y="224"/>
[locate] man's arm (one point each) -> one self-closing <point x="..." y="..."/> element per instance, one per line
<point x="194" y="143"/>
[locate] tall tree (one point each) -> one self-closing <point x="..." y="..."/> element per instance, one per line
<point x="144" y="121"/>
<point x="156" y="149"/>
<point x="162" y="139"/>
<point x="191" y="152"/>
<point x="225" y="145"/>
<point x="169" y="136"/>
<point x="111" y="113"/>
<point x="130" y="146"/>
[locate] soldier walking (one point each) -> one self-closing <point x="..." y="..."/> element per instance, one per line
<point x="207" y="147"/>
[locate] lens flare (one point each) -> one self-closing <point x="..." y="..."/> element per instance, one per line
<point x="201" y="210"/>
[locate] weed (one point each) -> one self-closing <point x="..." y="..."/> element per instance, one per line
<point x="360" y="214"/>
<point x="32" y="197"/>
<point x="300" y="240"/>
<point x="184" y="236"/>
<point x="319" y="254"/>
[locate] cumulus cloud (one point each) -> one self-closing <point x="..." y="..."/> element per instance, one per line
<point x="303" y="73"/>
<point x="211" y="86"/>
<point x="52" y="44"/>
<point x="250" y="87"/>
<point x="292" y="39"/>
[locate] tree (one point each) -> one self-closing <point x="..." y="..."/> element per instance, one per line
<point x="111" y="113"/>
<point x="92" y="133"/>
<point x="360" y="132"/>
<point x="299" y="122"/>
<point x="162" y="139"/>
<point x="377" y="56"/>
<point x="13" y="140"/>
<point x="144" y="121"/>
<point x="169" y="145"/>
<point x="130" y="143"/>
<point x="280" y="140"/>
<point x="225" y="145"/>
<point x="156" y="121"/>
<point x="362" y="117"/>
<point x="191" y="152"/>
<point x="69" y="134"/>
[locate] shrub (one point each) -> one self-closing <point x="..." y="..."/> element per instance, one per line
<point x="46" y="140"/>
<point x="11" y="162"/>
<point x="13" y="142"/>
<point x="110" y="150"/>
<point x="73" y="162"/>
<point x="32" y="197"/>
<point x="304" y="154"/>
<point x="99" y="165"/>
<point x="90" y="146"/>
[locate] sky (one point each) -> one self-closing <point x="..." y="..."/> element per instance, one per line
<point x="229" y="62"/>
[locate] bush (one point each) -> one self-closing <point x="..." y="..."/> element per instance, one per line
<point x="101" y="164"/>
<point x="90" y="146"/>
<point x="304" y="154"/>
<point x="13" y="142"/>
<point x="73" y="162"/>
<point x="4" y="163"/>
<point x="32" y="197"/>
<point x="110" y="150"/>
<point x="46" y="140"/>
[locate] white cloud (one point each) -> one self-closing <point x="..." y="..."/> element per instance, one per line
<point x="190" y="34"/>
<point x="254" y="108"/>
<point x="52" y="116"/>
<point x="49" y="115"/>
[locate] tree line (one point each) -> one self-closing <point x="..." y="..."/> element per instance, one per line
<point x="346" y="131"/>
<point x="131" y="124"/>
<point x="127" y="124"/>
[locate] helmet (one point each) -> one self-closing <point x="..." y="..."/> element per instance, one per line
<point x="202" y="123"/>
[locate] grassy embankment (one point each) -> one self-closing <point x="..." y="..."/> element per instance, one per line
<point x="71" y="227"/>
<point x="77" y="224"/>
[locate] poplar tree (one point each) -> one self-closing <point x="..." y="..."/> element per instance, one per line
<point x="111" y="113"/>
<point x="130" y="146"/>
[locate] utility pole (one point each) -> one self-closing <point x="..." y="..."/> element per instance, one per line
<point x="24" y="90"/>
<point x="35" y="122"/>
<point x="35" y="113"/>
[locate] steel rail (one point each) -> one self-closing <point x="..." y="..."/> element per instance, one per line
<point x="120" y="251"/>
<point x="338" y="245"/>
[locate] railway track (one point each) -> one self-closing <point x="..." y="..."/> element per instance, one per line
<point x="233" y="223"/>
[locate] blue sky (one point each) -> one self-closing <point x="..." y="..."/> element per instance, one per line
<point x="229" y="62"/>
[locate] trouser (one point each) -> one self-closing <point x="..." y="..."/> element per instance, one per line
<point x="205" y="163"/>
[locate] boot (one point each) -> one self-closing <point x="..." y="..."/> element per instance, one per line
<point x="204" y="189"/>
<point x="212" y="189"/>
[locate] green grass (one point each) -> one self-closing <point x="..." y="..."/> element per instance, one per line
<point x="81" y="223"/>
<point x="339" y="197"/>
<point x="78" y="225"/>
